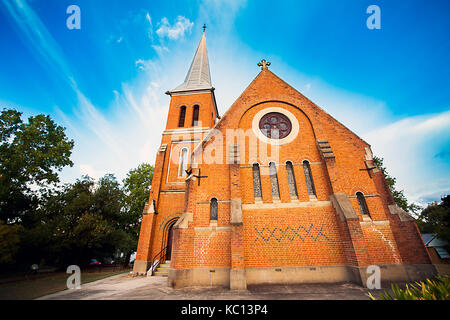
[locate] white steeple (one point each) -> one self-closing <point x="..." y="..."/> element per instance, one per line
<point x="198" y="77"/>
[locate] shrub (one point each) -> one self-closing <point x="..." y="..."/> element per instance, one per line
<point x="437" y="289"/>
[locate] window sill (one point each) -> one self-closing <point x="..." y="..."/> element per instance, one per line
<point x="258" y="200"/>
<point x="213" y="223"/>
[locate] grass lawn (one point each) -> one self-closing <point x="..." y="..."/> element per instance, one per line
<point x="34" y="288"/>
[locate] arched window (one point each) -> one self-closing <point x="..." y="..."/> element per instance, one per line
<point x="257" y="181"/>
<point x="362" y="203"/>
<point x="183" y="162"/>
<point x="195" y="116"/>
<point x="182" y="116"/>
<point x="309" y="178"/>
<point x="291" y="180"/>
<point x="274" y="180"/>
<point x="213" y="209"/>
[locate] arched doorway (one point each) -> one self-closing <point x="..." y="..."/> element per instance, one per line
<point x="169" y="242"/>
<point x="167" y="238"/>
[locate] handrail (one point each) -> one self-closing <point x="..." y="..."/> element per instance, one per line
<point x="161" y="255"/>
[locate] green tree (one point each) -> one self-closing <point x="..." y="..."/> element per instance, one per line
<point x="435" y="218"/>
<point x="30" y="155"/>
<point x="9" y="243"/>
<point x="78" y="222"/>
<point x="137" y="189"/>
<point x="51" y="236"/>
<point x="399" y="196"/>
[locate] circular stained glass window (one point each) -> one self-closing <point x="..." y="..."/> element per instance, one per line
<point x="275" y="125"/>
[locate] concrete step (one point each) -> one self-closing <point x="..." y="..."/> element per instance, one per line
<point x="162" y="270"/>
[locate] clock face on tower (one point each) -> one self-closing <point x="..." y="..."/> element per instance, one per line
<point x="275" y="125"/>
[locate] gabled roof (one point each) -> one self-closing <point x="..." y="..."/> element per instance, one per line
<point x="198" y="76"/>
<point x="266" y="73"/>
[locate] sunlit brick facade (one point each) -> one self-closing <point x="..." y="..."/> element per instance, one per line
<point x="330" y="230"/>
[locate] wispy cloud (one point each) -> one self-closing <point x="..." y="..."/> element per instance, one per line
<point x="178" y="30"/>
<point x="39" y="40"/>
<point x="35" y="35"/>
<point x="409" y="147"/>
<point x="140" y="64"/>
<point x="150" y="26"/>
<point x="135" y="22"/>
<point x="160" y="50"/>
<point x="87" y="169"/>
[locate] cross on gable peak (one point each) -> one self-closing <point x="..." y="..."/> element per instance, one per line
<point x="264" y="64"/>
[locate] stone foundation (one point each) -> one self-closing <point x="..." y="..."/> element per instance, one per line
<point x="239" y="279"/>
<point x="204" y="277"/>
<point x="141" y="267"/>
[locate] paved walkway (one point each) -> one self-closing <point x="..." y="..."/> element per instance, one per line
<point x="125" y="287"/>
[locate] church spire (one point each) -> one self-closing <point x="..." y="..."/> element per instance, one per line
<point x="198" y="76"/>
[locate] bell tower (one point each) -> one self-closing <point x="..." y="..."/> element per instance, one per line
<point x="192" y="114"/>
<point x="193" y="104"/>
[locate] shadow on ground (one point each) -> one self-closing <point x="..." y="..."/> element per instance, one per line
<point x="125" y="287"/>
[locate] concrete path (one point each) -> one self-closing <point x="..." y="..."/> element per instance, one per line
<point x="125" y="287"/>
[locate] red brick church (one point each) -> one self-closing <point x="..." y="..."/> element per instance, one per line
<point x="274" y="191"/>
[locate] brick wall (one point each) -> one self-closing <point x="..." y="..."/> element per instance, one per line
<point x="286" y="232"/>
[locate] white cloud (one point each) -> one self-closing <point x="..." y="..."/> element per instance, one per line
<point x="134" y="22"/>
<point x="410" y="148"/>
<point x="149" y="19"/>
<point x="140" y="64"/>
<point x="150" y="27"/>
<point x="221" y="13"/>
<point x="86" y="169"/>
<point x="160" y="50"/>
<point x="101" y="141"/>
<point x="181" y="26"/>
<point x="36" y="36"/>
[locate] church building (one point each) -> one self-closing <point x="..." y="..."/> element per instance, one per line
<point x="276" y="191"/>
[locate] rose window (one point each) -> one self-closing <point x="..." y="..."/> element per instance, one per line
<point x="275" y="125"/>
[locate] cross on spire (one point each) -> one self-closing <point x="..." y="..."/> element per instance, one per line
<point x="204" y="27"/>
<point x="264" y="64"/>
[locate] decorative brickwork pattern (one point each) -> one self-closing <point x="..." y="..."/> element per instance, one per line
<point x="289" y="233"/>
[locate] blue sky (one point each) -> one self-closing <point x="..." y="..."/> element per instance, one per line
<point x="105" y="83"/>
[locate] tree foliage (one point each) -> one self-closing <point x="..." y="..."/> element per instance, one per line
<point x="46" y="223"/>
<point x="137" y="191"/>
<point x="435" y="218"/>
<point x="9" y="242"/>
<point x="30" y="154"/>
<point x="87" y="220"/>
<point x="80" y="222"/>
<point x="399" y="196"/>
